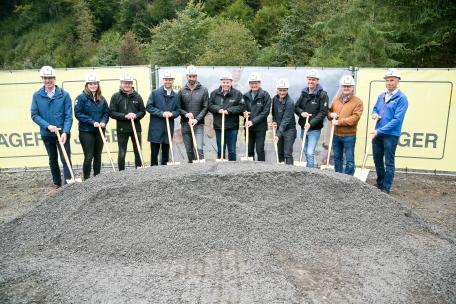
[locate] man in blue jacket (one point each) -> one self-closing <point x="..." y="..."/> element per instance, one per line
<point x="51" y="109"/>
<point x="163" y="102"/>
<point x="389" y="112"/>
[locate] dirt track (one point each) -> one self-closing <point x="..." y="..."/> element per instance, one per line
<point x="249" y="233"/>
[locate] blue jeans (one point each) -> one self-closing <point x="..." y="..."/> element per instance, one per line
<point x="230" y="141"/>
<point x="52" y="146"/>
<point x="188" y="140"/>
<point x="344" y="145"/>
<point x="311" y="144"/>
<point x="384" y="150"/>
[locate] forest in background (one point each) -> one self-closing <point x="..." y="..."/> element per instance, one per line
<point x="329" y="33"/>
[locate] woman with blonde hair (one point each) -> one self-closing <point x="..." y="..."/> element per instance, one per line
<point x="91" y="109"/>
<point x="345" y="112"/>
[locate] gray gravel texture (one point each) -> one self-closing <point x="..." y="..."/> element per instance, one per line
<point x="224" y="233"/>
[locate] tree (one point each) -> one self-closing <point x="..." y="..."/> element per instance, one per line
<point x="267" y="22"/>
<point x="180" y="41"/>
<point x="129" y="50"/>
<point x="85" y="30"/>
<point x="107" y="50"/>
<point x="229" y="43"/>
<point x="238" y="11"/>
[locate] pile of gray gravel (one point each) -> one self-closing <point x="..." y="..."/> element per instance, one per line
<point x="224" y="233"/>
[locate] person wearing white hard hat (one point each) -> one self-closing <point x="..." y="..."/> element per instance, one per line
<point x="127" y="105"/>
<point x="52" y="109"/>
<point x="344" y="113"/>
<point x="162" y="103"/>
<point x="389" y="112"/>
<point x="258" y="103"/>
<point x="312" y="102"/>
<point x="91" y="110"/>
<point x="229" y="101"/>
<point x="283" y="119"/>
<point x="194" y="104"/>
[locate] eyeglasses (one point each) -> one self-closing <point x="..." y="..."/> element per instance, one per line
<point x="48" y="78"/>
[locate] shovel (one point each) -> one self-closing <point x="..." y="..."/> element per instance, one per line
<point x="67" y="160"/>
<point x="301" y="163"/>
<point x="223" y="140"/>
<point x="362" y="173"/>
<point x="107" y="148"/>
<point x="137" y="141"/>
<point x="246" y="157"/>
<point x="170" y="140"/>
<point x="327" y="166"/>
<point x="195" y="146"/>
<point x="274" y="126"/>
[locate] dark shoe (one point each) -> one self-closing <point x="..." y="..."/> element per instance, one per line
<point x="378" y="187"/>
<point x="385" y="191"/>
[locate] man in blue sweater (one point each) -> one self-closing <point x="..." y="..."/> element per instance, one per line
<point x="51" y="109"/>
<point x="389" y="112"/>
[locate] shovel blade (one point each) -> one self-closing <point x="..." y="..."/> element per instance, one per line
<point x="244" y="158"/>
<point x="300" y="164"/>
<point x="173" y="163"/>
<point x="325" y="167"/>
<point x="221" y="160"/>
<point x="362" y="174"/>
<point x="76" y="180"/>
<point x="201" y="161"/>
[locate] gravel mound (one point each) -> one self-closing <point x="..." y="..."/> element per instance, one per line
<point x="224" y="233"/>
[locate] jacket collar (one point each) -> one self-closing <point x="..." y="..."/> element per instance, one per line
<point x="163" y="90"/>
<point x="315" y="92"/>
<point x="197" y="86"/>
<point x="133" y="93"/>
<point x="58" y="91"/>
<point x="259" y="94"/>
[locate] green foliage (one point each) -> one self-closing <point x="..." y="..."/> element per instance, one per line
<point x="408" y="33"/>
<point x="267" y="22"/>
<point x="214" y="7"/>
<point x="129" y="50"/>
<point x="180" y="40"/>
<point x="229" y="43"/>
<point x="238" y="11"/>
<point x="104" y="13"/>
<point x="107" y="50"/>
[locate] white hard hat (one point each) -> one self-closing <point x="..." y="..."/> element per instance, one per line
<point x="226" y="76"/>
<point x="283" y="84"/>
<point x="254" y="77"/>
<point x="347" y="80"/>
<point x="47" y="71"/>
<point x="168" y="74"/>
<point x="91" y="78"/>
<point x="392" y="73"/>
<point x="191" y="70"/>
<point x="313" y="74"/>
<point x="126" y="77"/>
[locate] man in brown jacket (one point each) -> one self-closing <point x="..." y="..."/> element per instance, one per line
<point x="345" y="112"/>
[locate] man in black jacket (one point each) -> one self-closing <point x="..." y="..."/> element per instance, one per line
<point x="126" y="105"/>
<point x="283" y="118"/>
<point x="313" y="101"/>
<point x="193" y="100"/>
<point x="228" y="100"/>
<point x="258" y="104"/>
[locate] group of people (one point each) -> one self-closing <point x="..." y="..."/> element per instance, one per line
<point x="52" y="111"/>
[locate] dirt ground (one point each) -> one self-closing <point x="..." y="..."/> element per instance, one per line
<point x="433" y="197"/>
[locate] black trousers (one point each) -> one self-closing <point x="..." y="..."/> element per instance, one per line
<point x="92" y="146"/>
<point x="122" y="142"/>
<point x="155" y="149"/>
<point x="285" y="146"/>
<point x="256" y="140"/>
